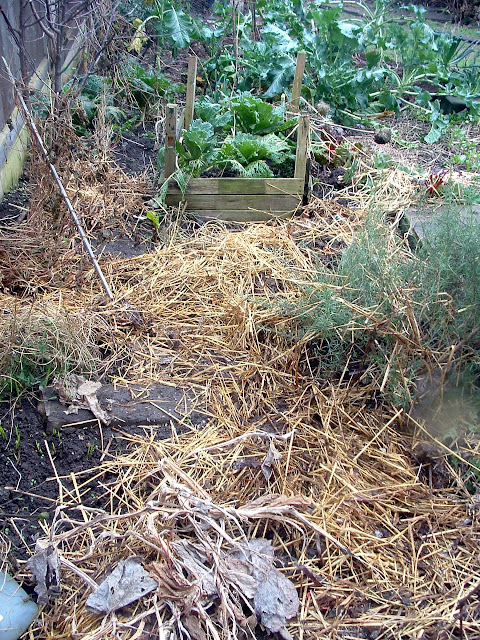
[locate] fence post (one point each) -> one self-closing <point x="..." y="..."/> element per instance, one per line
<point x="297" y="81"/>
<point x="170" y="139"/>
<point x="191" y="83"/>
<point x="302" y="147"/>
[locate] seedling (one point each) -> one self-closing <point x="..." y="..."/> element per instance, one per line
<point x="434" y="181"/>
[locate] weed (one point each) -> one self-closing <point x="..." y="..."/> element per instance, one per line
<point x="458" y="193"/>
<point x="3" y="433"/>
<point x="154" y="218"/>
<point x="17" y="439"/>
<point x="352" y="318"/>
<point x="38" y="345"/>
<point x="466" y="153"/>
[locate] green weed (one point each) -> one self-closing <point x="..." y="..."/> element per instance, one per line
<point x="382" y="307"/>
<point x="36" y="346"/>
<point x="465" y="150"/>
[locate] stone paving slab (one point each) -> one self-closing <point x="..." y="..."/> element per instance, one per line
<point x="423" y="219"/>
<point x="127" y="406"/>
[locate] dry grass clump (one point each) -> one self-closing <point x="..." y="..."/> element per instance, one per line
<point x="45" y="250"/>
<point x="40" y="341"/>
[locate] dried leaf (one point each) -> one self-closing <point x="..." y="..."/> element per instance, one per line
<point x="274" y="597"/>
<point x="271" y="459"/>
<point x="45" y="566"/>
<point x="197" y="565"/>
<point x="78" y="393"/>
<point x="128" y="582"/>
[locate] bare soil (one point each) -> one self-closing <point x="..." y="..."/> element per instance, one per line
<point x="31" y="460"/>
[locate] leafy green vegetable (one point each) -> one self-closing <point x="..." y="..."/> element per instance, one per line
<point x="253" y="115"/>
<point x="199" y="139"/>
<point x="178" y="26"/>
<point x="197" y="151"/>
<point x="216" y="113"/>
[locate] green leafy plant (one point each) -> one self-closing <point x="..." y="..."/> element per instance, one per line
<point x="154" y="218"/>
<point x="197" y="151"/>
<point x="244" y="111"/>
<point x="248" y="154"/>
<point x="466" y="153"/>
<point x="170" y="23"/>
<point x="142" y="84"/>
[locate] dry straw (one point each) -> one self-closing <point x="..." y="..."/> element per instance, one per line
<point x="373" y="547"/>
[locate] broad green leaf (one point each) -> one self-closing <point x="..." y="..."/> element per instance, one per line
<point x="178" y="26"/>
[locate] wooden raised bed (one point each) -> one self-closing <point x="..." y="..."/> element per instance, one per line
<point x="238" y="199"/>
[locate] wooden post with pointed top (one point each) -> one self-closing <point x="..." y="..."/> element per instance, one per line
<point x="170" y="139"/>
<point x="297" y="81"/>
<point x="191" y="84"/>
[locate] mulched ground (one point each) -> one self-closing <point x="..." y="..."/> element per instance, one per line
<point x="28" y="488"/>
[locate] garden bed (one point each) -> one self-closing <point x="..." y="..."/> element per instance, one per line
<point x="310" y="346"/>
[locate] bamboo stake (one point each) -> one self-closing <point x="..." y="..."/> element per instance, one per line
<point x="191" y="83"/>
<point x="53" y="171"/>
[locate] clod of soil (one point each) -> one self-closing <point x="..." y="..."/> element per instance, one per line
<point x="383" y="136"/>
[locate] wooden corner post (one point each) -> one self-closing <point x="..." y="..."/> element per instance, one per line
<point x="170" y="139"/>
<point x="303" y="135"/>
<point x="191" y="84"/>
<point x="297" y="81"/>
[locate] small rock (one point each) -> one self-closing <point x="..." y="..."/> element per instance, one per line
<point x="323" y="108"/>
<point x="383" y="136"/>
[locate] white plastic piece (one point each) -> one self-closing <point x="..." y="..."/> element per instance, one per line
<point x="17" y="610"/>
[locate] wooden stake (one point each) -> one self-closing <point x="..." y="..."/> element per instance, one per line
<point x="297" y="81"/>
<point x="191" y="83"/>
<point x="170" y="139"/>
<point x="302" y="147"/>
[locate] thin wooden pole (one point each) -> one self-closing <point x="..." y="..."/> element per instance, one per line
<point x="302" y="147"/>
<point x="170" y="139"/>
<point x="191" y="83"/>
<point x="36" y="136"/>
<point x="297" y="81"/>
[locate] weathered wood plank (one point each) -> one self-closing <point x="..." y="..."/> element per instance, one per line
<point x="302" y="147"/>
<point x="297" y="81"/>
<point x="191" y="84"/>
<point x="170" y="139"/>
<point x="226" y="202"/>
<point x="241" y="215"/>
<point x="242" y="186"/>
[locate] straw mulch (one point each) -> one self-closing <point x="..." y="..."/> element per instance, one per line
<point x="372" y="551"/>
<point x="45" y="250"/>
<point x="373" y="548"/>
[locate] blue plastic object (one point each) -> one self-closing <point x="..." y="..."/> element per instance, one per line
<point x="17" y="610"/>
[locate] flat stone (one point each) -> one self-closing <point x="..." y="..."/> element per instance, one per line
<point x="424" y="219"/>
<point x="136" y="405"/>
